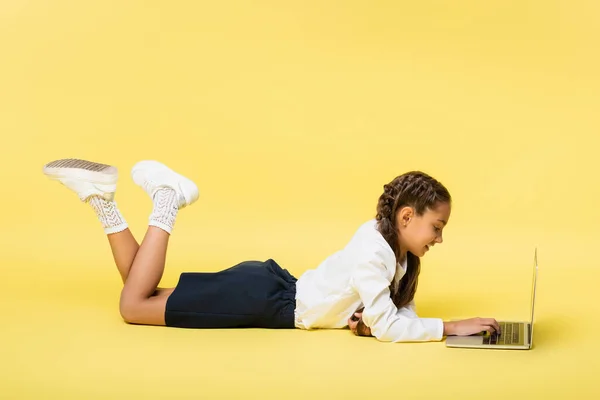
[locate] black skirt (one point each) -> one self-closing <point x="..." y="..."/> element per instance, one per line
<point x="252" y="294"/>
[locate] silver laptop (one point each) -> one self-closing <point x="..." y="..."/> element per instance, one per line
<point x="514" y="335"/>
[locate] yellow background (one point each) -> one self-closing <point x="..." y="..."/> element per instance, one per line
<point x="291" y="116"/>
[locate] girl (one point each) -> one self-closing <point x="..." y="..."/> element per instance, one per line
<point x="369" y="285"/>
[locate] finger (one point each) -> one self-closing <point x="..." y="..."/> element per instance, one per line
<point x="352" y="325"/>
<point x="362" y="329"/>
<point x="497" y="326"/>
<point x="494" y="323"/>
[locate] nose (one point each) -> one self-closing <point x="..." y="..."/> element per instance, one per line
<point x="439" y="239"/>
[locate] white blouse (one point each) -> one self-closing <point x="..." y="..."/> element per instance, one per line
<point x="360" y="275"/>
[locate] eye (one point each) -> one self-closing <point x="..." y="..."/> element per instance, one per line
<point x="435" y="228"/>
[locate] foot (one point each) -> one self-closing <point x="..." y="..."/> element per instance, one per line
<point x="153" y="175"/>
<point x="86" y="178"/>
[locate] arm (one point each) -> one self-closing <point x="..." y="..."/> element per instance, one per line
<point x="385" y="321"/>
<point x="358" y="327"/>
<point x="465" y="327"/>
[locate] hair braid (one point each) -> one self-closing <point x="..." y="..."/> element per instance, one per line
<point x="422" y="192"/>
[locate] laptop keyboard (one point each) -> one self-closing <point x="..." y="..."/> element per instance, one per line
<point x="511" y="334"/>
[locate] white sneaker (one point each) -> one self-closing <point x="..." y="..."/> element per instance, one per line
<point x="153" y="175"/>
<point x="86" y="178"/>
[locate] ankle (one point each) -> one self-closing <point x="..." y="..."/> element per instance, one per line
<point x="165" y="209"/>
<point x="108" y="214"/>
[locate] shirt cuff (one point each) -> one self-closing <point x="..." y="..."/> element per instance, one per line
<point x="435" y="327"/>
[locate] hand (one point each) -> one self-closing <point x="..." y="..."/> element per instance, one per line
<point x="357" y="326"/>
<point x="471" y="326"/>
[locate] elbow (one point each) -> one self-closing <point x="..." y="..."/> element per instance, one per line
<point x="382" y="335"/>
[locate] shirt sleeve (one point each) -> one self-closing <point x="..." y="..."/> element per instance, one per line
<point x="387" y="323"/>
<point x="409" y="310"/>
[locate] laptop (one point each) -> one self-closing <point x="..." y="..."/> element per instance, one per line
<point x="514" y="335"/>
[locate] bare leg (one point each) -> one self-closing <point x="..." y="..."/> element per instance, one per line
<point x="138" y="305"/>
<point x="169" y="192"/>
<point x="124" y="249"/>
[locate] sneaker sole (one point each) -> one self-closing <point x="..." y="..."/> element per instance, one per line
<point x="72" y="168"/>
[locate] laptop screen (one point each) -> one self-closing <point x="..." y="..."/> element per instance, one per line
<point x="534" y="284"/>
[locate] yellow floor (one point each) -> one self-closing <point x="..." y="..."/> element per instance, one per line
<point x="63" y="338"/>
<point x="291" y="116"/>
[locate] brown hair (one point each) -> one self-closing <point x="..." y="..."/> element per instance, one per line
<point x="420" y="191"/>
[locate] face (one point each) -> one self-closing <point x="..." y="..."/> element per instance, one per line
<point x="418" y="233"/>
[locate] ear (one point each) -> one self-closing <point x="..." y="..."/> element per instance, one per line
<point x="404" y="216"/>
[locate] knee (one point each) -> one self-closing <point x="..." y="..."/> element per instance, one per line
<point x="129" y="310"/>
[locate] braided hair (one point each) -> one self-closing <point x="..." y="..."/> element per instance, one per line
<point x="420" y="191"/>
